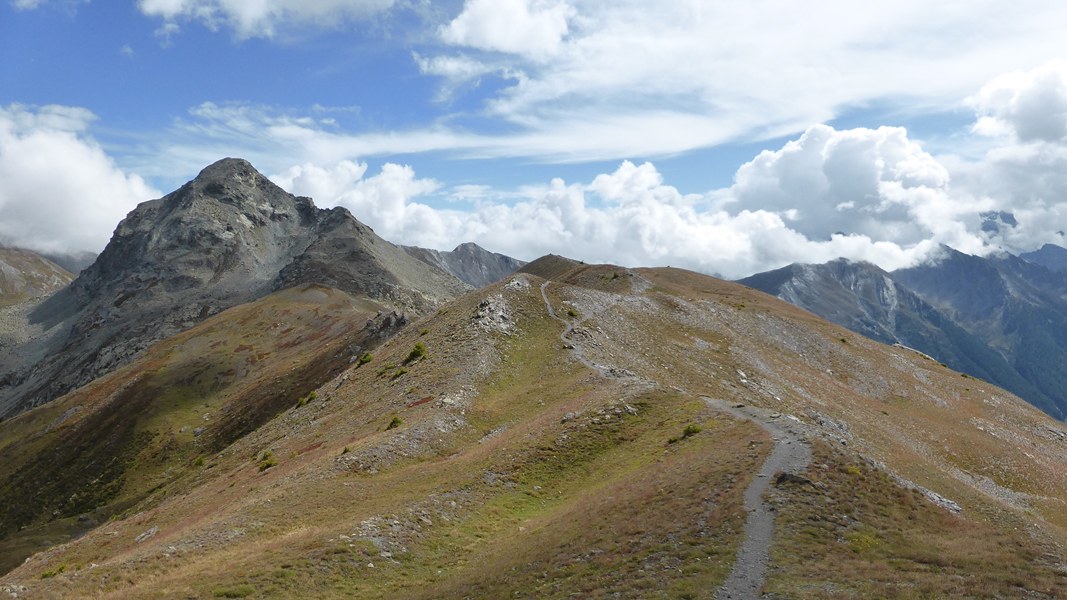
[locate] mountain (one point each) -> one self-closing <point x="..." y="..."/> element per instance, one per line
<point x="75" y="262"/>
<point x="871" y="302"/>
<point x="1016" y="307"/>
<point x="26" y="275"/>
<point x="599" y="432"/>
<point x="469" y="262"/>
<point x="1050" y="256"/>
<point x="26" y="278"/>
<point x="227" y="237"/>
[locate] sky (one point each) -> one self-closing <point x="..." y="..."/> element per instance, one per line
<point x="724" y="137"/>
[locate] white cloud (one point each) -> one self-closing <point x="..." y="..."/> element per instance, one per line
<point x="733" y="70"/>
<point x="262" y="18"/>
<point x="632" y="217"/>
<point x="59" y="191"/>
<point x="876" y="183"/>
<point x="1030" y="105"/>
<point x="530" y="28"/>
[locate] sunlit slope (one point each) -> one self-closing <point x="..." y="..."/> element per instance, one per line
<point x="479" y="454"/>
<point x="132" y="436"/>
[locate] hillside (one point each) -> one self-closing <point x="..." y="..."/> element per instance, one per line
<point x="26" y="275"/>
<point x="227" y="237"/>
<point x="73" y="463"/>
<point x="601" y="433"/>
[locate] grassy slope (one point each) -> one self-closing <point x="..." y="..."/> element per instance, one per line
<point x="514" y="471"/>
<point x="25" y="275"/>
<point x="124" y="438"/>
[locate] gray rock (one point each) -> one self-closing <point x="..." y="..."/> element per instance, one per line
<point x="227" y="237"/>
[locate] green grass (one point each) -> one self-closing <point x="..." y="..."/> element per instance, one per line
<point x="237" y="591"/>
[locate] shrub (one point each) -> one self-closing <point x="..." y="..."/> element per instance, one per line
<point x="398" y="373"/>
<point x="424" y="332"/>
<point x="199" y="462"/>
<point x="306" y="399"/>
<point x="53" y="572"/>
<point x="572" y="313"/>
<point x="690" y="430"/>
<point x="267" y="461"/>
<point x="364" y="359"/>
<point x="396" y="422"/>
<point x="419" y="351"/>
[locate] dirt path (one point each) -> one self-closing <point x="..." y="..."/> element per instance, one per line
<point x="568" y="341"/>
<point x="791" y="454"/>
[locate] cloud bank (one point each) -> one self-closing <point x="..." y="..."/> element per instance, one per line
<point x="866" y="194"/>
<point x="59" y="191"/>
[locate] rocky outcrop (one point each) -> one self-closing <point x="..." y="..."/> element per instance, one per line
<point x="227" y="237"/>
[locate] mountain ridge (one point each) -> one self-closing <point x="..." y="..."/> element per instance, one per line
<point x="227" y="237"/>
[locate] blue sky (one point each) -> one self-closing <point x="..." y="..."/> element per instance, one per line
<point x="724" y="137"/>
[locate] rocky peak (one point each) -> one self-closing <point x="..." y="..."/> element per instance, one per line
<point x="226" y="237"/>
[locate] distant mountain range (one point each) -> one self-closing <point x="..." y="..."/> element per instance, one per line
<point x="1002" y="318"/>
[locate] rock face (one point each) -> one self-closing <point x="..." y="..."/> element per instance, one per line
<point x="227" y="237"/>
<point x="469" y="262"/>
<point x="1001" y="319"/>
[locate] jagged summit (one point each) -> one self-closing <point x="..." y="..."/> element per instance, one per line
<point x="226" y="237"/>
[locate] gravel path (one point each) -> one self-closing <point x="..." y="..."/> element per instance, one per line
<point x="791" y="454"/>
<point x="565" y="337"/>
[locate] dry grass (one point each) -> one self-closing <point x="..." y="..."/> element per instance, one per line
<point x="859" y="534"/>
<point x="515" y="471"/>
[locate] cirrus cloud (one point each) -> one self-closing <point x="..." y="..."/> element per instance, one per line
<point x="262" y="18"/>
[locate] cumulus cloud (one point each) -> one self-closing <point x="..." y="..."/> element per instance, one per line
<point x="59" y="191"/>
<point x="876" y="183"/>
<point x="1030" y="105"/>
<point x="631" y="216"/>
<point x="263" y="18"/>
<point x="530" y="28"/>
